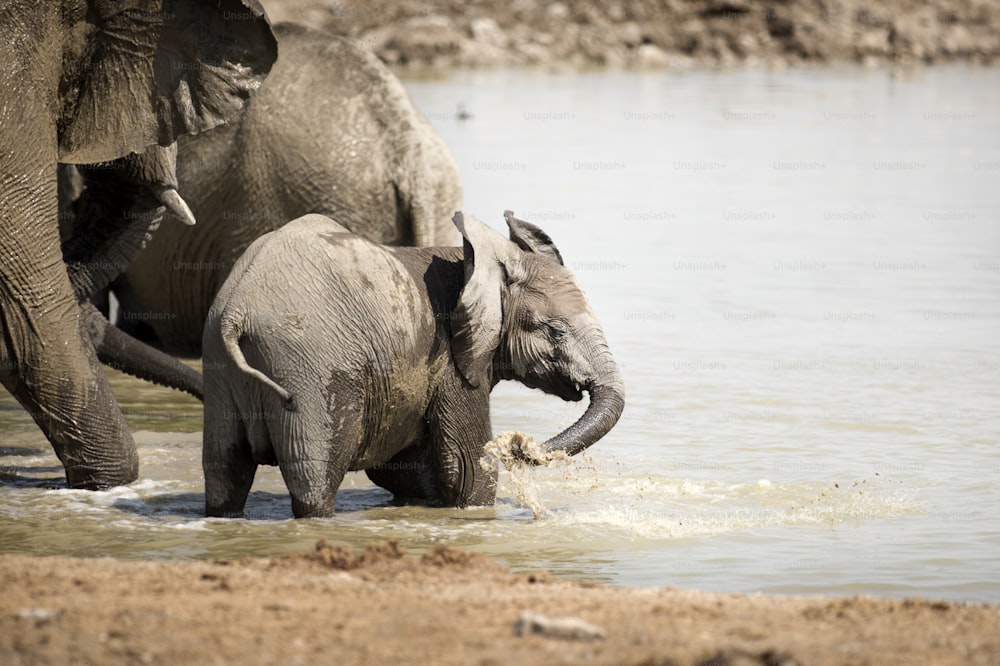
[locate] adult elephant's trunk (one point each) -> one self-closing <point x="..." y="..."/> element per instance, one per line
<point x="119" y="350"/>
<point x="115" y="217"/>
<point x="117" y="213"/>
<point x="607" y="400"/>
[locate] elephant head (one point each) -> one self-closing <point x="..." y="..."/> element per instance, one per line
<point x="144" y="72"/>
<point x="86" y="83"/>
<point x="522" y="316"/>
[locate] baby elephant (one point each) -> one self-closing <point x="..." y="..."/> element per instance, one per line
<point x="325" y="352"/>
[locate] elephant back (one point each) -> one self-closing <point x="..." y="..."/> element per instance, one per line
<point x="315" y="288"/>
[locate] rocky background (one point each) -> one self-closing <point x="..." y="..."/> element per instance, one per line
<point x="670" y="34"/>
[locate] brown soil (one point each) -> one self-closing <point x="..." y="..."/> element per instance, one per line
<point x="674" y="34"/>
<point x="447" y="607"/>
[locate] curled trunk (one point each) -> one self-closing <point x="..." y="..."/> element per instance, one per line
<point x="607" y="400"/>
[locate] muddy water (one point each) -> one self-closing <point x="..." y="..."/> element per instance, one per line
<point x="799" y="273"/>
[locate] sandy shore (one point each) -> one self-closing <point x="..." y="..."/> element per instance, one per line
<point x="447" y="607"/>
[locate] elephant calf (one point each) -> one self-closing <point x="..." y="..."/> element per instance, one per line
<point x="325" y="352"/>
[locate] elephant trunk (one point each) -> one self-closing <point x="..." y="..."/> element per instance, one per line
<point x="118" y="350"/>
<point x="115" y="217"/>
<point x="117" y="213"/>
<point x="95" y="255"/>
<point x="607" y="400"/>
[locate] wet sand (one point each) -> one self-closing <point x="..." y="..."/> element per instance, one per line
<point x="446" y="607"/>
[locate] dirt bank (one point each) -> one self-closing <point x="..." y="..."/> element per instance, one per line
<point x="448" y="607"/>
<point x="674" y="34"/>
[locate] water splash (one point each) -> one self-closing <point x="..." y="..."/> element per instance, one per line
<point x="641" y="508"/>
<point x="520" y="454"/>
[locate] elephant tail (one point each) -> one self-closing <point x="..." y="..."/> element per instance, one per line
<point x="231" y="332"/>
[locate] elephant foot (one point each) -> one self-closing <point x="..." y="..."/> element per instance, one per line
<point x="302" y="509"/>
<point x="100" y="457"/>
<point x="89" y="477"/>
<point x="68" y="396"/>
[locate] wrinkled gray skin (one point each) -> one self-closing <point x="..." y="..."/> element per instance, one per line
<point x="88" y="83"/>
<point x="115" y="216"/>
<point x="330" y="131"/>
<point x="325" y="352"/>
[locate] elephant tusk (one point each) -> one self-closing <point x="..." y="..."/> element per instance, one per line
<point x="169" y="197"/>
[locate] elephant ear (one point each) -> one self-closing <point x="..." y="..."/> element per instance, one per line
<point x="530" y="238"/>
<point x="476" y="321"/>
<point x="143" y="72"/>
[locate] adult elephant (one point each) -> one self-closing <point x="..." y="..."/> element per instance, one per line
<point x="330" y="131"/>
<point x="95" y="83"/>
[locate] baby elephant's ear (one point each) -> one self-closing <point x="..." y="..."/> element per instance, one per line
<point x="530" y="238"/>
<point x="475" y="323"/>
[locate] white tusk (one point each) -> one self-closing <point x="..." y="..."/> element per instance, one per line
<point x="170" y="198"/>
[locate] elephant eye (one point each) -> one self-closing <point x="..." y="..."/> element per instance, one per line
<point x="556" y="328"/>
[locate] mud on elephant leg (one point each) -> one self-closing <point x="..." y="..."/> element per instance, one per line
<point x="461" y="477"/>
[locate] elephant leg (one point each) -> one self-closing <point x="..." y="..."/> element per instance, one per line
<point x="226" y="459"/>
<point x="229" y="475"/>
<point x="312" y="485"/>
<point x="68" y="395"/>
<point x="460" y="428"/>
<point x="49" y="364"/>
<point x="314" y="460"/>
<point x="313" y="477"/>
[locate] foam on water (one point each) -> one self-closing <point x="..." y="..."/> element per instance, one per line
<point x="649" y="507"/>
<point x="560" y="501"/>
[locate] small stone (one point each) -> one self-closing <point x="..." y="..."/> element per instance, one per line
<point x="557" y="10"/>
<point x="39" y="615"/>
<point x="566" y="628"/>
<point x="651" y="56"/>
